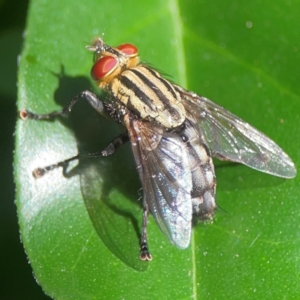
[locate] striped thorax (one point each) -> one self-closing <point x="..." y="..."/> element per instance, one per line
<point x="141" y="89"/>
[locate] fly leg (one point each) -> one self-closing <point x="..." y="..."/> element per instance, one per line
<point x="87" y="95"/>
<point x="98" y="105"/>
<point x="144" y="249"/>
<point x="108" y="150"/>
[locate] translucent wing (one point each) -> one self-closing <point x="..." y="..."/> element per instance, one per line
<point x="230" y="138"/>
<point x="163" y="166"/>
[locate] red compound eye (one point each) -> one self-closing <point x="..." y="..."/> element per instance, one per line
<point x="103" y="66"/>
<point x="128" y="49"/>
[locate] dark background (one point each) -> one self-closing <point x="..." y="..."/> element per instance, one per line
<point x="16" y="278"/>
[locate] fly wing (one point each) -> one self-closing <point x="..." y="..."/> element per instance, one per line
<point x="162" y="163"/>
<point x="230" y="138"/>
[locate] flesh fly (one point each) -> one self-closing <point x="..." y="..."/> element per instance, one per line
<point x="174" y="133"/>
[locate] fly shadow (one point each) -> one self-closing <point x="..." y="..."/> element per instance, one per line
<point x="109" y="185"/>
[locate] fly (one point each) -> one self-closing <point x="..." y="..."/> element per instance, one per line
<point x="174" y="133"/>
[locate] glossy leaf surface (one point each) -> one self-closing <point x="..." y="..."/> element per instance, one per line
<point x="81" y="232"/>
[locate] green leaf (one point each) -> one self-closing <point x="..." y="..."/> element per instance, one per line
<point x="243" y="55"/>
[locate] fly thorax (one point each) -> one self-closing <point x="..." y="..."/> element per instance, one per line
<point x="144" y="92"/>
